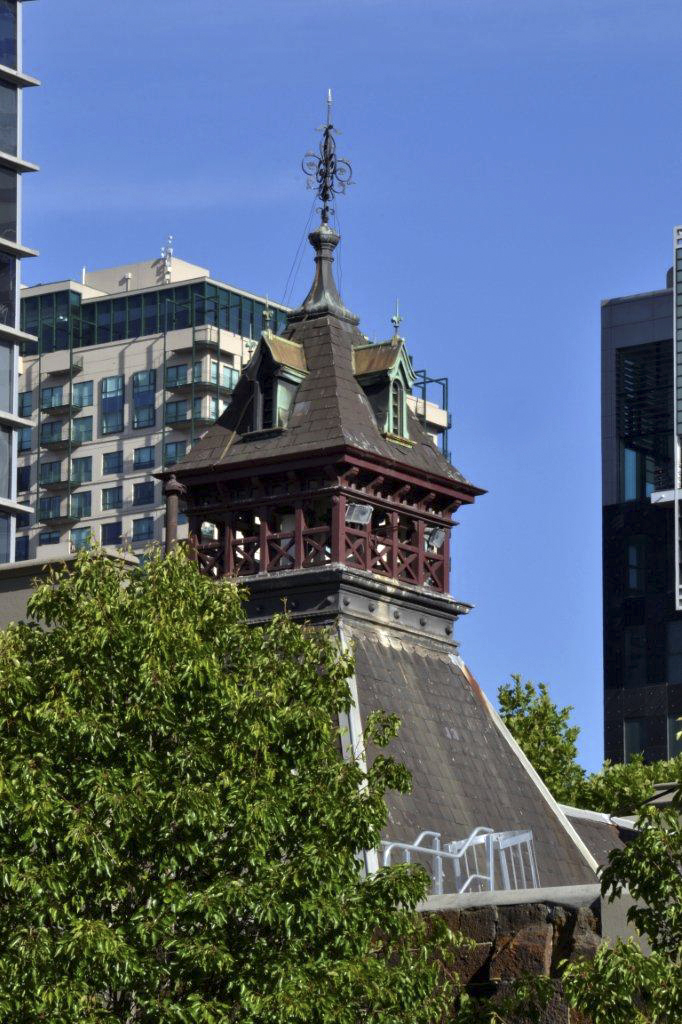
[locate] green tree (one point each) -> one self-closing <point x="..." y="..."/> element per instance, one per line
<point x="623" y="984"/>
<point x="543" y="732"/>
<point x="179" y="834"/>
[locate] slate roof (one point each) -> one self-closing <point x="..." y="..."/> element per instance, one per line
<point x="600" y="833"/>
<point x="330" y="411"/>
<point x="466" y="770"/>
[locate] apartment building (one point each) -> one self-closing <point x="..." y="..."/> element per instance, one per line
<point x="13" y="81"/>
<point x="129" y="367"/>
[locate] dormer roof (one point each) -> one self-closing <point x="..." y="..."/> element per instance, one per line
<point x="285" y="352"/>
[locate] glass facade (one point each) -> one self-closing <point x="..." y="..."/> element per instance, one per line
<point x="8" y="118"/>
<point x="94" y="322"/>
<point x="8" y="33"/>
<point x="8" y="205"/>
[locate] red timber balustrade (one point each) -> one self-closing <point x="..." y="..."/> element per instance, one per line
<point x="353" y="526"/>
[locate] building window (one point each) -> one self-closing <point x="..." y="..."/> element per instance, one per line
<point x="82" y="393"/>
<point x="176" y="375"/>
<point x="8" y="205"/>
<point x="8" y="33"/>
<point x="635" y="571"/>
<point x="8" y="289"/>
<point x="112" y="404"/>
<point x="52" y="398"/>
<point x="8" y="118"/>
<point x="81" y="505"/>
<point x="25" y="439"/>
<point x="634" y="656"/>
<point x="21" y="546"/>
<point x="144" y="397"/>
<point x="23" y="478"/>
<point x="81" y="470"/>
<point x="174" y="451"/>
<point x="81" y="537"/>
<point x="111" y="533"/>
<point x="143" y="529"/>
<point x="112" y="497"/>
<point x="51" y="431"/>
<point x="49" y="537"/>
<point x="25" y="404"/>
<point x="82" y="429"/>
<point x="674" y="740"/>
<point x="397" y="425"/>
<point x="224" y="375"/>
<point x="633" y="737"/>
<point x="50" y="472"/>
<point x="23" y="519"/>
<point x="673" y="651"/>
<point x="49" y="507"/>
<point x="143" y="458"/>
<point x="112" y="462"/>
<point x="176" y="412"/>
<point x="143" y="493"/>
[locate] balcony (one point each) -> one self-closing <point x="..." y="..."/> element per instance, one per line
<point x="62" y="518"/>
<point x="187" y="422"/>
<point x="61" y="486"/>
<point x="65" y="372"/>
<point x="206" y="339"/>
<point x="203" y="386"/>
<point x="64" y="409"/>
<point x="59" y="444"/>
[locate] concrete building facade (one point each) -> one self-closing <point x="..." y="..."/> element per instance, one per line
<point x="13" y="80"/>
<point x="129" y="368"/>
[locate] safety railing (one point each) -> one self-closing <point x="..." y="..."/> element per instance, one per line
<point x="484" y="861"/>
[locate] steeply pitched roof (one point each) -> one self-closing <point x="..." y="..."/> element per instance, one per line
<point x="330" y="411"/>
<point x="466" y="769"/>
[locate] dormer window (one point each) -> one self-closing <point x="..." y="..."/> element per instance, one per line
<point x="397" y="424"/>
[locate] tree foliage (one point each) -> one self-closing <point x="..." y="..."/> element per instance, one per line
<point x="179" y="834"/>
<point x="544" y="733"/>
<point x="623" y="984"/>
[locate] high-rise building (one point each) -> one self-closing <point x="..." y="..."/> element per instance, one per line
<point x="642" y="620"/>
<point x="13" y="80"/>
<point x="128" y="369"/>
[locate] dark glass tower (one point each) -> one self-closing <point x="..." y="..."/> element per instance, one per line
<point x="12" y="165"/>
<point x="642" y="628"/>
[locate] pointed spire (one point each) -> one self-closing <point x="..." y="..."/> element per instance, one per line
<point x="329" y="175"/>
<point x="396" y="320"/>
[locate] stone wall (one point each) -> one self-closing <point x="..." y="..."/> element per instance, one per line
<point x="520" y="933"/>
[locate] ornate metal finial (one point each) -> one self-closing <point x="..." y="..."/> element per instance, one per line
<point x="267" y="314"/>
<point x="396" y="319"/>
<point x="328" y="174"/>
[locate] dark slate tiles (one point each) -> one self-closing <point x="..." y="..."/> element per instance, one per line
<point x="464" y="771"/>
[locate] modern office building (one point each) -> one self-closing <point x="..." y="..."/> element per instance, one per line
<point x="642" y="620"/>
<point x="129" y="368"/>
<point x="12" y="166"/>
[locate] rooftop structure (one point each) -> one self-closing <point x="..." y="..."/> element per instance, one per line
<point x="320" y="488"/>
<point x="126" y="370"/>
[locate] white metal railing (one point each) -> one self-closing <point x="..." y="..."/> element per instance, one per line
<point x="484" y="861"/>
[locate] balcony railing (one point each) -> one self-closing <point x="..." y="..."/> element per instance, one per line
<point x="484" y="861"/>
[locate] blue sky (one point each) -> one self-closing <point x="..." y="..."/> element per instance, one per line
<point x="516" y="162"/>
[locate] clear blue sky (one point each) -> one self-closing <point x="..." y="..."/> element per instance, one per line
<point x="516" y="161"/>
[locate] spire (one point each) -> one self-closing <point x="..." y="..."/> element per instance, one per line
<point x="329" y="175"/>
<point x="396" y="320"/>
